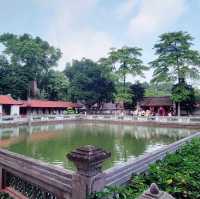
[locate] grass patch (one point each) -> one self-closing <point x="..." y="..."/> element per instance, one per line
<point x="177" y="174"/>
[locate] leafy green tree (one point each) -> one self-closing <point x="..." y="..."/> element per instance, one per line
<point x="126" y="61"/>
<point x="123" y="95"/>
<point x="54" y="86"/>
<point x="158" y="89"/>
<point x="3" y="73"/>
<point x="137" y="90"/>
<point x="89" y="82"/>
<point x="184" y="95"/>
<point x="197" y="94"/>
<point x="28" y="59"/>
<point x="13" y="79"/>
<point x="176" y="59"/>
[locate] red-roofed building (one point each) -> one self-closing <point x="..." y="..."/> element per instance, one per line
<point x="8" y="106"/>
<point x="35" y="107"/>
<point x="158" y="105"/>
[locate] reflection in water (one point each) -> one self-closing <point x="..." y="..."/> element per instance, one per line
<point x="51" y="143"/>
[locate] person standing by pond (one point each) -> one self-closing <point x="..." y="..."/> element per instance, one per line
<point x="161" y="111"/>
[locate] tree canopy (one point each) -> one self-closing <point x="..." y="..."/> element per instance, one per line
<point x="89" y="82"/>
<point x="184" y="95"/>
<point x="23" y="60"/>
<point x="124" y="61"/>
<point x="175" y="58"/>
<point x="33" y="54"/>
<point x="157" y="88"/>
<point x="137" y="91"/>
<point x="123" y="95"/>
<point x="176" y="62"/>
<point x="54" y="86"/>
<point x="13" y="80"/>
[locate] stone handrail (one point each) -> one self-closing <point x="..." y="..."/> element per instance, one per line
<point x="126" y="118"/>
<point x="163" y="119"/>
<point x="19" y="172"/>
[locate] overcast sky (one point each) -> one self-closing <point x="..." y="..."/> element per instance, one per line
<point x="89" y="28"/>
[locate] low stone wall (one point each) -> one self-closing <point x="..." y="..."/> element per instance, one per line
<point x="33" y="178"/>
<point x="162" y="121"/>
<point x="11" y="121"/>
<point x="159" y="121"/>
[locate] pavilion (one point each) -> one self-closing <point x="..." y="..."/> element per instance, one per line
<point x="158" y="105"/>
<point x="8" y="106"/>
<point x="39" y="107"/>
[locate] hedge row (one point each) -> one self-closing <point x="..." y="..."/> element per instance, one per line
<point x="178" y="174"/>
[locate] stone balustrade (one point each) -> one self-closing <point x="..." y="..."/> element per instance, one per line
<point x="108" y="118"/>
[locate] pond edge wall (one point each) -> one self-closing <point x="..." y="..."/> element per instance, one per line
<point x="159" y="121"/>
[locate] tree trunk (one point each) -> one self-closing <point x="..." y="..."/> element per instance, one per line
<point x="124" y="83"/>
<point x="124" y="76"/>
<point x="179" y="109"/>
<point x="138" y="105"/>
<point x="122" y="105"/>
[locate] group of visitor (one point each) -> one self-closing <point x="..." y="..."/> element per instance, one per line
<point x="150" y="112"/>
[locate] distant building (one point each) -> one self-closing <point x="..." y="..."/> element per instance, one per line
<point x="112" y="108"/>
<point x="8" y="106"/>
<point x="106" y="108"/>
<point x="38" y="107"/>
<point x="159" y="105"/>
<point x="197" y="108"/>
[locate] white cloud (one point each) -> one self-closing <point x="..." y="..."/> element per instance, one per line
<point x="126" y="8"/>
<point x="70" y="31"/>
<point x="87" y="43"/>
<point x="154" y="15"/>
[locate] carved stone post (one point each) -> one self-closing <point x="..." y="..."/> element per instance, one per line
<point x="154" y="192"/>
<point x="89" y="177"/>
<point x="1" y="178"/>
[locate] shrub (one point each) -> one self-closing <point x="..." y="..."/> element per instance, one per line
<point x="177" y="174"/>
<point x="5" y="196"/>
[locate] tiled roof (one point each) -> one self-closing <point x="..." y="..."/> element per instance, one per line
<point x="156" y="101"/>
<point x="48" y="104"/>
<point x="112" y="106"/>
<point x="109" y="106"/>
<point x="8" y="100"/>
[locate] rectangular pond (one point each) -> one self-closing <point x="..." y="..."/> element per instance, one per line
<point x="51" y="143"/>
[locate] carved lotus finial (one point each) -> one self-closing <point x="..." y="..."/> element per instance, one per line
<point x="154" y="189"/>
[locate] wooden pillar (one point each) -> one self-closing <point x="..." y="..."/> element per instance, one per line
<point x="89" y="177"/>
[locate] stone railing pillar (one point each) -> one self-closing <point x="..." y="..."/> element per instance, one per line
<point x="154" y="192"/>
<point x="89" y="177"/>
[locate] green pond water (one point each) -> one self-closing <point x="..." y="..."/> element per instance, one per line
<point x="51" y="143"/>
